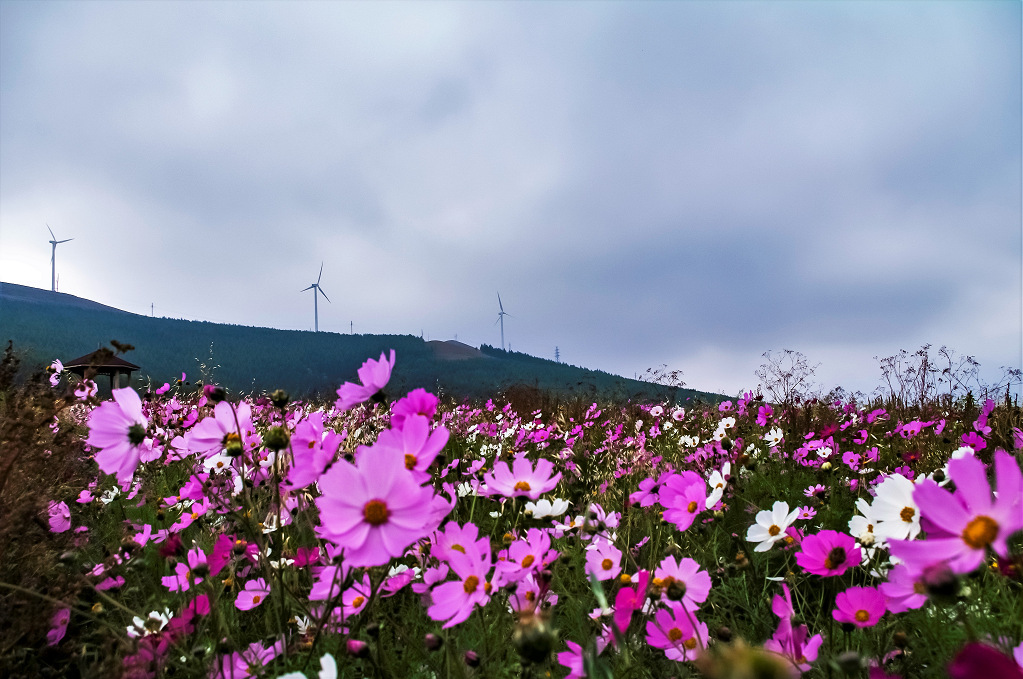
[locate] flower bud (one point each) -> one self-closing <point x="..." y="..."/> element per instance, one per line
<point x="214" y="393"/>
<point x="276" y="438"/>
<point x="357" y="648"/>
<point x="533" y="639"/>
<point x="279" y="398"/>
<point x="433" y="642"/>
<point x="471" y="658"/>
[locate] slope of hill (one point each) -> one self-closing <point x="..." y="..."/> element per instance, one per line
<point x="44" y="325"/>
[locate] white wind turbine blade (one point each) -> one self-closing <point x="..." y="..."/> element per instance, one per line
<point x="323" y="293"/>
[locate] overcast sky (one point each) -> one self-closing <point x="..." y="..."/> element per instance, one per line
<point x="687" y="183"/>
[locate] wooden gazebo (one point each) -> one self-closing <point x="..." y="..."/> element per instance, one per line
<point x="104" y="362"/>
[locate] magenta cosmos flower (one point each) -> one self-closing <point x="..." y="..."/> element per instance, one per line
<point x="861" y="606"/>
<point x="118" y="427"/>
<point x="963" y="525"/>
<point x="374" y="376"/>
<point x="683" y="496"/>
<point x="374" y="509"/>
<point x="522" y="479"/>
<point x="829" y="553"/>
<point x="677" y="632"/>
<point x="255" y="592"/>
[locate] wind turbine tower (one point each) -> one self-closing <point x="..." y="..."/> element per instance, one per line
<point x="53" y="257"/>
<point x="317" y="290"/>
<point x="500" y="318"/>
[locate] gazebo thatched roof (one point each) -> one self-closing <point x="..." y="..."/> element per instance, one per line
<point x="103" y="360"/>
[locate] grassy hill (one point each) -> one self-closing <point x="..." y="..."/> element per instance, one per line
<point x="46" y="325"/>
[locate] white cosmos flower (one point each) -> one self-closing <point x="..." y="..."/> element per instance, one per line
<point x="153" y="623"/>
<point x="544" y="508"/>
<point x="770" y="526"/>
<point x="897" y="515"/>
<point x="717" y="482"/>
<point x="328" y="669"/>
<point x="774" y="436"/>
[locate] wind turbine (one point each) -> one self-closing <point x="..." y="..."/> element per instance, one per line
<point x="53" y="258"/>
<point x="315" y="287"/>
<point x="500" y="318"/>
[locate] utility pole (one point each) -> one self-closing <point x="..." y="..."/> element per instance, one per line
<point x="152" y="309"/>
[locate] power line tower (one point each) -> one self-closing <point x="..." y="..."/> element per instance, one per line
<point x="557" y="355"/>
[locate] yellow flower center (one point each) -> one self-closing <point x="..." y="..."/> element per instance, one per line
<point x="773" y="530"/>
<point x="980" y="532"/>
<point x="674" y="634"/>
<point x="907" y="514"/>
<point x="458" y="548"/>
<point x="522" y="485"/>
<point x="376" y="512"/>
<point x="862" y="616"/>
<point x="470" y="584"/>
<point x="606" y="564"/>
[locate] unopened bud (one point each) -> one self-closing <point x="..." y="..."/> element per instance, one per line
<point x="900" y="639"/>
<point x="471" y="658"/>
<point x="357" y="648"/>
<point x="826" y="466"/>
<point x="214" y="393"/>
<point x="850" y="663"/>
<point x="432" y="642"/>
<point x="279" y="398"/>
<point x="724" y="634"/>
<point x="276" y="438"/>
<point x="533" y="639"/>
<point x="676" y="590"/>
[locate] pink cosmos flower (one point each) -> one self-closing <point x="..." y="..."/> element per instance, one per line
<point x="417" y="444"/>
<point x="118" y="427"/>
<point x="673" y="630"/>
<point x="695" y="582"/>
<point x="229" y="429"/>
<point x="453" y="601"/>
<point x="792" y="642"/>
<point x="683" y="496"/>
<point x="630" y="599"/>
<point x="861" y="606"/>
<point x="526" y="556"/>
<point x="418" y="402"/>
<point x="58" y="626"/>
<point x="312" y="450"/>
<point x="904" y="590"/>
<point x="573" y="660"/>
<point x="255" y="592"/>
<point x="603" y="559"/>
<point x="60" y="517"/>
<point x="356" y="597"/>
<point x="829" y="553"/>
<point x="522" y="479"/>
<point x="964" y="524"/>
<point x="185" y="575"/>
<point x="977" y="659"/>
<point x="374" y="509"/>
<point x="374" y="376"/>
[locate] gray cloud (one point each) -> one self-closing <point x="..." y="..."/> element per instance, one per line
<point x="691" y="183"/>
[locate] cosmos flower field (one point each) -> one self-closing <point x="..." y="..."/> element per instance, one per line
<point x="395" y="535"/>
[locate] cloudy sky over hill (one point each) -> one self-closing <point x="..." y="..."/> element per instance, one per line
<point x="688" y="184"/>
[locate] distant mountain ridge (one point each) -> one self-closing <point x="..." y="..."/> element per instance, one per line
<point x="45" y="325"/>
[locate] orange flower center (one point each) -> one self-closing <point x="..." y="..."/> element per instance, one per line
<point x="980" y="532"/>
<point x="522" y="485"/>
<point x="528" y="561"/>
<point x="256" y="599"/>
<point x="674" y="634"/>
<point x="458" y="548"/>
<point x="357" y="601"/>
<point x="376" y="512"/>
<point x="530" y="596"/>
<point x="606" y="564"/>
<point x="773" y="530"/>
<point x="690" y="643"/>
<point x="862" y="616"/>
<point x="907" y="514"/>
<point x="470" y="584"/>
<point x="410" y="461"/>
<point x="919" y="587"/>
<point x="692" y="507"/>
